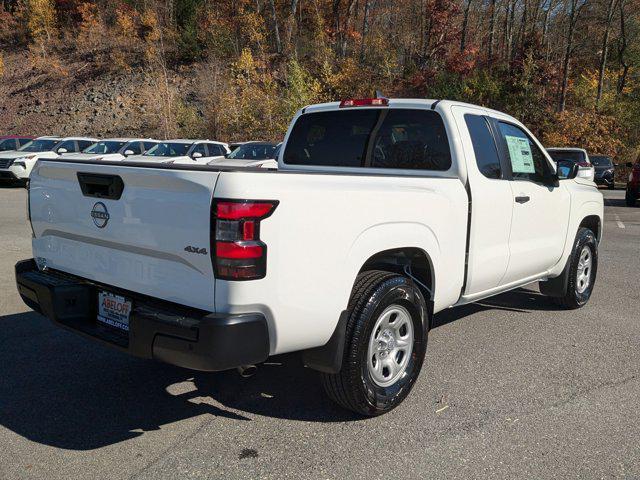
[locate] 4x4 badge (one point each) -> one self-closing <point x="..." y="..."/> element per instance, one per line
<point x="200" y="251"/>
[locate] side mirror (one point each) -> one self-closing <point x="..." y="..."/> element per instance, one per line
<point x="62" y="150"/>
<point x="567" y="170"/>
<point x="196" y="155"/>
<point x="629" y="164"/>
<point x="128" y="152"/>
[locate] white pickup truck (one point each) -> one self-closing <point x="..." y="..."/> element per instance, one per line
<point x="381" y="214"/>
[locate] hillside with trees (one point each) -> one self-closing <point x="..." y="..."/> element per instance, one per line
<point x="235" y="70"/>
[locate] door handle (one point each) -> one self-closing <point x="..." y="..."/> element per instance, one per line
<point x="100" y="186"/>
<point x="523" y="199"/>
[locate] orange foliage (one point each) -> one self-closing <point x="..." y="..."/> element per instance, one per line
<point x="598" y="134"/>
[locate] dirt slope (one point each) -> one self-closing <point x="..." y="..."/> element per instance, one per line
<point x="81" y="101"/>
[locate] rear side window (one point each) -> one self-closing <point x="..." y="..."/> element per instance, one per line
<point x="215" y="150"/>
<point x="69" y="146"/>
<point x="135" y="147"/>
<point x="199" y="148"/>
<point x="600" y="161"/>
<point x="484" y="147"/>
<point x="84" y="144"/>
<point x="7" y="144"/>
<point x="370" y="138"/>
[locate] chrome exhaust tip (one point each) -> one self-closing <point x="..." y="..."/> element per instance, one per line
<point x="247" y="371"/>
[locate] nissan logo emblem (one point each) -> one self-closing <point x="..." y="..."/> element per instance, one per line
<point x="100" y="215"/>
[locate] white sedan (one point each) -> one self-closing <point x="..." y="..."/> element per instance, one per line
<point x="580" y="156"/>
<point x="17" y="165"/>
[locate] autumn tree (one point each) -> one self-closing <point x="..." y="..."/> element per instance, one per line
<point x="238" y="69"/>
<point x="41" y="23"/>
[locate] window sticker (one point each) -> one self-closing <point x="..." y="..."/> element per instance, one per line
<point x="520" y="153"/>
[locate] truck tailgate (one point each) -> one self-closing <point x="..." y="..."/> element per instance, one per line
<point x="154" y="239"/>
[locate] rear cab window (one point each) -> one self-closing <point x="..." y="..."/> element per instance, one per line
<point x="378" y="138"/>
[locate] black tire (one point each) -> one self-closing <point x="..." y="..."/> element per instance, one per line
<point x="630" y="199"/>
<point x="353" y="387"/>
<point x="612" y="186"/>
<point x="573" y="297"/>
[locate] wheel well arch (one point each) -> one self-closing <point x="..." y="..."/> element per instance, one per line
<point x="328" y="358"/>
<point x="593" y="223"/>
<point x="407" y="260"/>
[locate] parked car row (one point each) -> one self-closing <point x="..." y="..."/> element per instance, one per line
<point x="19" y="154"/>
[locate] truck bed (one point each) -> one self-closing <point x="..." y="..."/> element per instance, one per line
<point x="323" y="230"/>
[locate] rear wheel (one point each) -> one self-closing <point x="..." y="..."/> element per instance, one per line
<point x="583" y="267"/>
<point x="386" y="340"/>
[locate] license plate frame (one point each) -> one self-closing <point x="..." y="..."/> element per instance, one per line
<point x="114" y="310"/>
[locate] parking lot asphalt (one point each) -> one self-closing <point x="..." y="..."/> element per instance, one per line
<point x="511" y="388"/>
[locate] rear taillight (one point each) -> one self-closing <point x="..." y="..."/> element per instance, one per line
<point x="238" y="253"/>
<point x="365" y="102"/>
<point x="584" y="164"/>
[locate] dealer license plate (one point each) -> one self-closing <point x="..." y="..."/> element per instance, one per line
<point x="114" y="310"/>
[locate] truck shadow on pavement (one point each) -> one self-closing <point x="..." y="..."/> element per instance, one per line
<point x="521" y="300"/>
<point x="60" y="390"/>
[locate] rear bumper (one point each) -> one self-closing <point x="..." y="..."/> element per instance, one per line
<point x="160" y="330"/>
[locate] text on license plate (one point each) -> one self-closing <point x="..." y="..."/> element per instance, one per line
<point x="114" y="310"/>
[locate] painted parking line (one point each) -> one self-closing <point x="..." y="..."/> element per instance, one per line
<point x="618" y="221"/>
